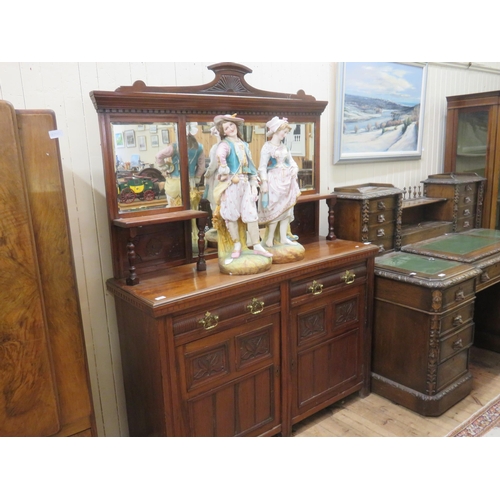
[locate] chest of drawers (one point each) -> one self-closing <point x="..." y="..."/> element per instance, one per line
<point x="423" y="329"/>
<point x="207" y="354"/>
<point x="369" y="213"/>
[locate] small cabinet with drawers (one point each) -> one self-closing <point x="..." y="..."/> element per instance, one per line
<point x="218" y="355"/>
<point x="464" y="195"/>
<point x="369" y="213"/>
<point x="423" y="330"/>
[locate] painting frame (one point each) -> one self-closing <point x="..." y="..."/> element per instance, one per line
<point x="129" y="137"/>
<point x="375" y="99"/>
<point x="119" y="140"/>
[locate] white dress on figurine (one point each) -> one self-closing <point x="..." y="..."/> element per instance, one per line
<point x="282" y="180"/>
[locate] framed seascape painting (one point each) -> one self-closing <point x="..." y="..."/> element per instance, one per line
<point x="379" y="112"/>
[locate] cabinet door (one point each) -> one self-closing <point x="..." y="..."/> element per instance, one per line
<point x="230" y="381"/>
<point x="327" y="349"/>
<point x="471" y="147"/>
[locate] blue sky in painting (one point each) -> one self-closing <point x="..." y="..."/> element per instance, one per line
<point x="396" y="82"/>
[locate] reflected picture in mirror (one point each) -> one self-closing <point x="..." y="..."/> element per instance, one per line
<point x="145" y="179"/>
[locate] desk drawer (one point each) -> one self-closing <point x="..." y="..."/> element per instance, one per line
<point x="456" y="342"/>
<point x="457" y="318"/>
<point x="489" y="276"/>
<point x="381" y="205"/>
<point x="379" y="232"/>
<point x="465" y="223"/>
<point x="458" y="294"/>
<point x="452" y="369"/>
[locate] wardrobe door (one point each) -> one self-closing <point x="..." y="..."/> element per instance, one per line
<point x="45" y="187"/>
<point x="28" y="399"/>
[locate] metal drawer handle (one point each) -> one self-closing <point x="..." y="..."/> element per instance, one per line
<point x="381" y="205"/>
<point x="485" y="277"/>
<point x="466" y="223"/>
<point x="459" y="296"/>
<point x="256" y="306"/>
<point x="466" y="212"/>
<point x="316" y="288"/>
<point x="467" y="199"/>
<point x="380" y="233"/>
<point x="457" y="344"/>
<point x="381" y="218"/>
<point x="348" y="277"/>
<point x="209" y="321"/>
<point x="458" y="320"/>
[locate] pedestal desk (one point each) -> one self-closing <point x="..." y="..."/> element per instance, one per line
<point x="480" y="248"/>
<point x="433" y="300"/>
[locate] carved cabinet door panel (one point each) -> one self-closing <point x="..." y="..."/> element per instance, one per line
<point x="327" y="358"/>
<point x="230" y="381"/>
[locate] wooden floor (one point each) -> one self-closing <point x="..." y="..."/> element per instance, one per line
<point x="377" y="416"/>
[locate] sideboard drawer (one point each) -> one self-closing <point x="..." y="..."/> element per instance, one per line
<point x="326" y="282"/>
<point x="219" y="315"/>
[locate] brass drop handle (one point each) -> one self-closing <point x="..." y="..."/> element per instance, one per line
<point x="381" y="205"/>
<point x="458" y="320"/>
<point x="348" y="277"/>
<point x="466" y="212"/>
<point x="381" y="218"/>
<point x="256" y="306"/>
<point x="380" y="233"/>
<point x="209" y="321"/>
<point x="459" y="296"/>
<point x="458" y="344"/>
<point x="467" y="199"/>
<point x="316" y="288"/>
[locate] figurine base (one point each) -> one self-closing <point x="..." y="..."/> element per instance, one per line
<point x="246" y="263"/>
<point x="282" y="254"/>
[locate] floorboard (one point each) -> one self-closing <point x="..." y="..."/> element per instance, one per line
<point x="375" y="416"/>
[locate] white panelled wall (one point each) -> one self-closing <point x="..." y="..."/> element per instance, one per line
<point x="64" y="88"/>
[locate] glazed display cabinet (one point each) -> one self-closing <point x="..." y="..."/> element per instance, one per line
<point x="473" y="145"/>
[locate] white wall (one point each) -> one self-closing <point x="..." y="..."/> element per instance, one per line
<point x="65" y="87"/>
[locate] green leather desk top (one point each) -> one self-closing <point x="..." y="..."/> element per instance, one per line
<point x="422" y="270"/>
<point x="409" y="263"/>
<point x="468" y="246"/>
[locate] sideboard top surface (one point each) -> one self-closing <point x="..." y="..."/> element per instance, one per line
<point x="170" y="290"/>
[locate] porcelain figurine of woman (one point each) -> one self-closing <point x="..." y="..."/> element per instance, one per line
<point x="279" y="185"/>
<point x="236" y="195"/>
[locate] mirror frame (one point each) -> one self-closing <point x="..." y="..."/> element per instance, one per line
<point x="227" y="93"/>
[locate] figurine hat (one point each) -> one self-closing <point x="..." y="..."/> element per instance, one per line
<point x="191" y="128"/>
<point x="274" y="124"/>
<point x="228" y="118"/>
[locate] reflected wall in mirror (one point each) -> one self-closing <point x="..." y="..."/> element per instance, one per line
<point x="146" y="166"/>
